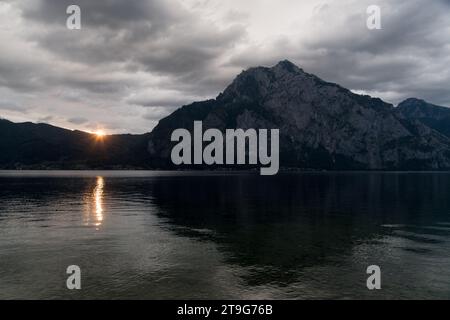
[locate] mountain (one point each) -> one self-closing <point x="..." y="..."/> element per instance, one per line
<point x="42" y="146"/>
<point x="435" y="117"/>
<point x="322" y="125"/>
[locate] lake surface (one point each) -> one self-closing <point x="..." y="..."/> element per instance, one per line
<point x="192" y="235"/>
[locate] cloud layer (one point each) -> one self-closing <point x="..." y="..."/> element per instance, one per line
<point x="133" y="62"/>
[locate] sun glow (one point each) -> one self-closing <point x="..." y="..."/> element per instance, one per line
<point x="100" y="133"/>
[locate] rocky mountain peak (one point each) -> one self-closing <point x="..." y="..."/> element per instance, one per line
<point x="287" y="66"/>
<point x="322" y="125"/>
<point x="256" y="83"/>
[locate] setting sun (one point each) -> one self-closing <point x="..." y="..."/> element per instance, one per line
<point x="100" y="133"/>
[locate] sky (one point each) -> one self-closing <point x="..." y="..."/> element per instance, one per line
<point x="134" y="62"/>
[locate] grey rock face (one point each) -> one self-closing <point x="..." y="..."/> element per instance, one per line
<point x="322" y="125"/>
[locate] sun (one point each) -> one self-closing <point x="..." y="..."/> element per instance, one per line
<point x="99" y="133"/>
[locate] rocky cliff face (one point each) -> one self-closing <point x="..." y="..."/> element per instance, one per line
<point x="322" y="125"/>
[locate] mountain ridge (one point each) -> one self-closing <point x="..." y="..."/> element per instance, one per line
<point x="322" y="126"/>
<point x="42" y="146"/>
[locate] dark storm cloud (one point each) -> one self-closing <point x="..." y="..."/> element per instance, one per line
<point x="111" y="30"/>
<point x="155" y="36"/>
<point x="113" y="14"/>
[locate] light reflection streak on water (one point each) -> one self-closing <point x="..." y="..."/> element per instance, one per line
<point x="94" y="211"/>
<point x="98" y="198"/>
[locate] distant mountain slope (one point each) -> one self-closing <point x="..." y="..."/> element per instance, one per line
<point x="435" y="117"/>
<point x="322" y="125"/>
<point x="28" y="145"/>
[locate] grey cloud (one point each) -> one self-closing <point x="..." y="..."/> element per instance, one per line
<point x="411" y="43"/>
<point x="157" y="35"/>
<point x="154" y="37"/>
<point x="19" y="77"/>
<point x="397" y="61"/>
<point x="78" y="120"/>
<point x="157" y="113"/>
<point x="106" y="13"/>
<point x="159" y="101"/>
<point x="11" y="105"/>
<point x="46" y="119"/>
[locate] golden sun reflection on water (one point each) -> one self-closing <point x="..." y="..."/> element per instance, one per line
<point x="94" y="213"/>
<point x="98" y="196"/>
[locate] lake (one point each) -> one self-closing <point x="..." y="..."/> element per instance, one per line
<point x="224" y="235"/>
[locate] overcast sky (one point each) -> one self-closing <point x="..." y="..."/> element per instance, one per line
<point x="135" y="61"/>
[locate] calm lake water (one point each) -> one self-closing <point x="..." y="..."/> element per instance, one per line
<point x="167" y="235"/>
